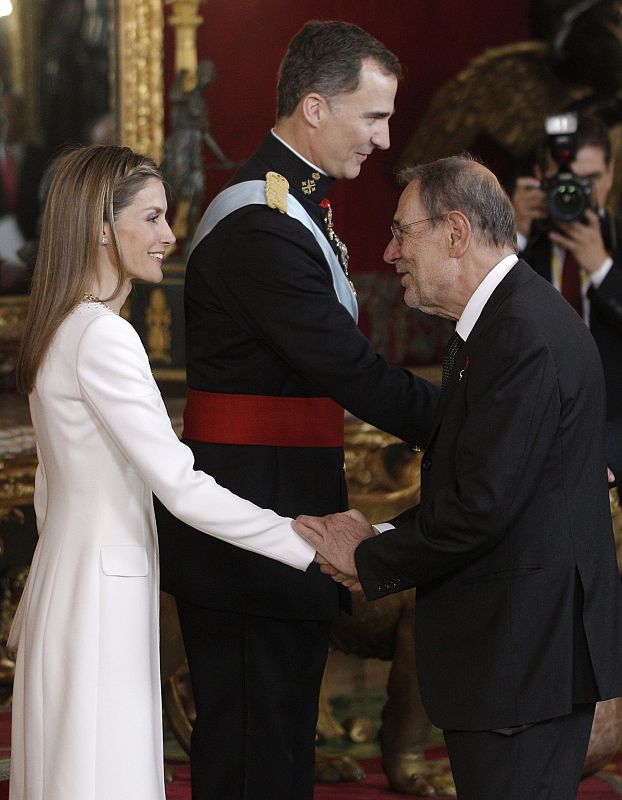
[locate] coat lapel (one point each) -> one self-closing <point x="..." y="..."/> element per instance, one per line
<point x="520" y="274"/>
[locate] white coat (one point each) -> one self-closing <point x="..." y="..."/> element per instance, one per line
<point x="87" y="719"/>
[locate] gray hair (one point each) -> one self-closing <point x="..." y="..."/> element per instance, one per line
<point x="454" y="184"/>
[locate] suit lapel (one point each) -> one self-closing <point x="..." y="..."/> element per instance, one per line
<point x="520" y="274"/>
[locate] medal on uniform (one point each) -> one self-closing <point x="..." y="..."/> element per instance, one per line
<point x="342" y="250"/>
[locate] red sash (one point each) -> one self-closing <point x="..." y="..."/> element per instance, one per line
<point x="263" y="419"/>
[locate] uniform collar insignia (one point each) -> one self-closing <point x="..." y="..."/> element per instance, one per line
<point x="309" y="185"/>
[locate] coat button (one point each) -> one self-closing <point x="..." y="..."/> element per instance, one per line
<point x="426" y="464"/>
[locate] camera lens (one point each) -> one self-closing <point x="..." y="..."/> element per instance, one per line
<point x="568" y="202"/>
<point x="567" y="197"/>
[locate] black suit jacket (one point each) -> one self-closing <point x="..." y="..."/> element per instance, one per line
<point x="605" y="306"/>
<point x="519" y="612"/>
<point x="262" y="318"/>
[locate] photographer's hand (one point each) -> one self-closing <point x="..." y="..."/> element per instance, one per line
<point x="584" y="241"/>
<point x="529" y="203"/>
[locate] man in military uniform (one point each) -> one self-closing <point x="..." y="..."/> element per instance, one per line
<point x="273" y="357"/>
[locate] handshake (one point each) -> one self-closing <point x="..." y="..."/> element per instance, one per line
<point x="335" y="537"/>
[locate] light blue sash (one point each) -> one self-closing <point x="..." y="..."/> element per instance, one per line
<point x="253" y="193"/>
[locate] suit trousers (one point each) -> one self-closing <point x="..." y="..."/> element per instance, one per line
<point x="543" y="761"/>
<point x="256" y="683"/>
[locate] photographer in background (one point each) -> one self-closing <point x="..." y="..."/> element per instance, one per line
<point x="567" y="236"/>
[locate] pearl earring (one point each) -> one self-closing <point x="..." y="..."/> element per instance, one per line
<point x="104" y="240"/>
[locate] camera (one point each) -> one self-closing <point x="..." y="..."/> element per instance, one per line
<point x="567" y="195"/>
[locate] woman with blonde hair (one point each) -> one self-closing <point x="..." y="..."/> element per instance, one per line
<point x="86" y="703"/>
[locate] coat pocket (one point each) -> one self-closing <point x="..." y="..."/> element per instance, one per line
<point x="504" y="574"/>
<point x="124" y="560"/>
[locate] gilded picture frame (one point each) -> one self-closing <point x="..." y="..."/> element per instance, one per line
<point x="135" y="69"/>
<point x="136" y="77"/>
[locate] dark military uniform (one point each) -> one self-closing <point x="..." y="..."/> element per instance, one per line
<point x="262" y="318"/>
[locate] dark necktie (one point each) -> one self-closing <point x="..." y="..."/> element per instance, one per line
<point x="571" y="283"/>
<point x="453" y="345"/>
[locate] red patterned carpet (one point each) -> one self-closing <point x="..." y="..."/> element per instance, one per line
<point x="607" y="785"/>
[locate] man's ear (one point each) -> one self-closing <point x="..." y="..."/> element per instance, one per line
<point x="314" y="106"/>
<point x="458" y="233"/>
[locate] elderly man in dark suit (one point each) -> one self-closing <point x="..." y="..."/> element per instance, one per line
<point x="519" y="614"/>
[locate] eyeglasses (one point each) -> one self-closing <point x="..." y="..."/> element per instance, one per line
<point x="398" y="231"/>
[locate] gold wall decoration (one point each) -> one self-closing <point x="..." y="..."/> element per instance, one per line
<point x="13" y="312"/>
<point x="468" y="105"/>
<point x="17" y="480"/>
<point x="139" y="104"/>
<point x="15" y="26"/>
<point x="158" y="320"/>
<point x="23" y="26"/>
<point x="136" y="29"/>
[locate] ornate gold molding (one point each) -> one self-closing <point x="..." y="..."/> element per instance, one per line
<point x="23" y="26"/>
<point x="14" y="24"/>
<point x="158" y="323"/>
<point x="13" y="312"/>
<point x="139" y="34"/>
<point x="17" y="482"/>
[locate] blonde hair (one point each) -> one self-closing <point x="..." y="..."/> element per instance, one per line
<point x="90" y="185"/>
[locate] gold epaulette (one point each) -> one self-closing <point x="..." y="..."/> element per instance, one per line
<point x="277" y="189"/>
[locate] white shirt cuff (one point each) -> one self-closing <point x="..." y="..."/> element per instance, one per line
<point x="383" y="526"/>
<point x="596" y="278"/>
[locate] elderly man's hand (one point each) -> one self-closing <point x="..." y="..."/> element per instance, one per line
<point x="335" y="538"/>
